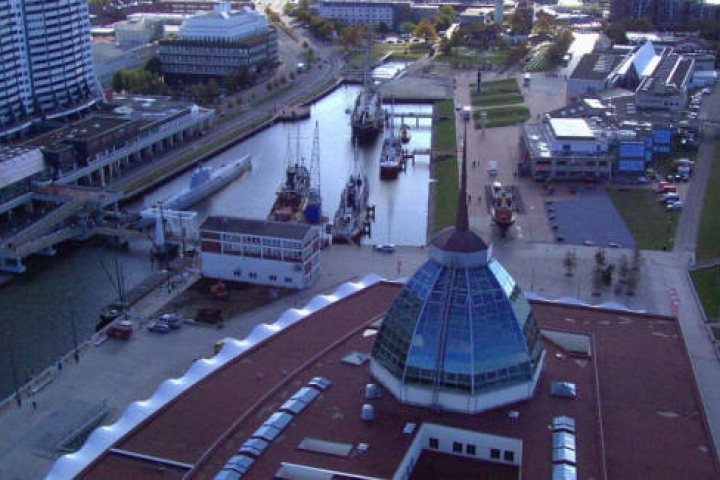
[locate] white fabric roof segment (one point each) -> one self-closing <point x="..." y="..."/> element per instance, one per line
<point x="643" y="59"/>
<point x="102" y="438"/>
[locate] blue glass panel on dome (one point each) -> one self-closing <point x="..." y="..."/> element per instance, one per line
<point x="503" y="277"/>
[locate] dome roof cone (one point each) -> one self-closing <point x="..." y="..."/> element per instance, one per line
<point x="460" y="243"/>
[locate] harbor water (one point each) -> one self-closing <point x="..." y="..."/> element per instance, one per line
<point x="56" y="303"/>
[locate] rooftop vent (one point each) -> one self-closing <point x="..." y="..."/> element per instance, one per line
<point x="563" y="390"/>
<point x="371" y="391"/>
<point x="368" y="412"/>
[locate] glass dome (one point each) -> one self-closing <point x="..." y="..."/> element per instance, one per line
<point x="458" y="330"/>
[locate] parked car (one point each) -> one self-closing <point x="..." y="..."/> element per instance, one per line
<point x="678" y="205"/>
<point x="159" y="327"/>
<point x="385" y="248"/>
<point x="172" y="320"/>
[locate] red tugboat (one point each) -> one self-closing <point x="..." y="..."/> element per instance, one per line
<point x="502" y="207"/>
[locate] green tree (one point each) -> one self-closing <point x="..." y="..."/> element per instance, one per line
<point x="445" y="18"/>
<point x="616" y="32"/>
<point x="407" y="27"/>
<point x="425" y="30"/>
<point x="153" y="65"/>
<point x="383" y="28"/>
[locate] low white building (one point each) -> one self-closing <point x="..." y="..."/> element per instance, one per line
<point x="277" y="254"/>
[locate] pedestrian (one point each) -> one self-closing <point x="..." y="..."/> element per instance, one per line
<point x="34" y="404"/>
<point x="469" y="197"/>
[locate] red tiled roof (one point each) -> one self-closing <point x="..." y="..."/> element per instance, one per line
<point x="648" y="418"/>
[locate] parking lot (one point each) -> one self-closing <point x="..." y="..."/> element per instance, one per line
<point x="587" y="217"/>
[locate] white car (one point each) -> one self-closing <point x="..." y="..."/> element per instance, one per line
<point x="385" y="248"/>
<point x="675" y="205"/>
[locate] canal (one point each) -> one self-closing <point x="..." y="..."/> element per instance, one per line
<point x="40" y="307"/>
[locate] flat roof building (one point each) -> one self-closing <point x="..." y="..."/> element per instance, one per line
<point x="219" y="44"/>
<point x="280" y="254"/>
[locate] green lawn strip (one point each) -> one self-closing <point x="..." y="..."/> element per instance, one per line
<point x="445" y="107"/>
<point x="708" y="238"/>
<point x="505" y="85"/>
<point x="446" y="197"/>
<point x="482" y="100"/>
<point x="502" y="116"/>
<point x="651" y="225"/>
<point x="707" y="286"/>
<point x="445" y="135"/>
<point x="445" y="169"/>
<point x="716" y="332"/>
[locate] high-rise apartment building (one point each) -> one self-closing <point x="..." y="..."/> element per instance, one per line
<point x="46" y="58"/>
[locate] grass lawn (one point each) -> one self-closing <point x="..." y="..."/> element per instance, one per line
<point x="707" y="285"/>
<point x="445" y="108"/>
<point x="482" y="100"/>
<point x="446" y="196"/>
<point x="650" y="224"/>
<point x="494" y="87"/>
<point x="502" y="116"/>
<point x="472" y="58"/>
<point x="708" y="238"/>
<point x="444" y="138"/>
<point x="445" y="169"/>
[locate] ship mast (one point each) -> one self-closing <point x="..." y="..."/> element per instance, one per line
<point x="315" y="161"/>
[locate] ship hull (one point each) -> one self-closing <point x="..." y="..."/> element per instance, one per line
<point x="368" y="118"/>
<point x="503" y="209"/>
<point x="348" y="224"/>
<point x="220" y="179"/>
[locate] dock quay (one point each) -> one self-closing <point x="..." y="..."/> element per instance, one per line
<point x="294" y="113"/>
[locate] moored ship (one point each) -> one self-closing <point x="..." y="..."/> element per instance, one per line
<point x="348" y="224"/>
<point x="204" y="182"/>
<point x="368" y="116"/>
<point x="392" y="161"/>
<point x="298" y="200"/>
<point x="502" y="206"/>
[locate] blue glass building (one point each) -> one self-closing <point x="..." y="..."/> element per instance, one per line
<point x="460" y="335"/>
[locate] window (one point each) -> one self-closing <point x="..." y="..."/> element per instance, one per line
<point x="288" y="280"/>
<point x="508" y="456"/>
<point x="495" y="453"/>
<point x="435" y="444"/>
<point x="273" y="278"/>
<point x="470" y="449"/>
<point x="457" y="447"/>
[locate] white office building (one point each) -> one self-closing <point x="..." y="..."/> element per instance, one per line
<point x="47" y="70"/>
